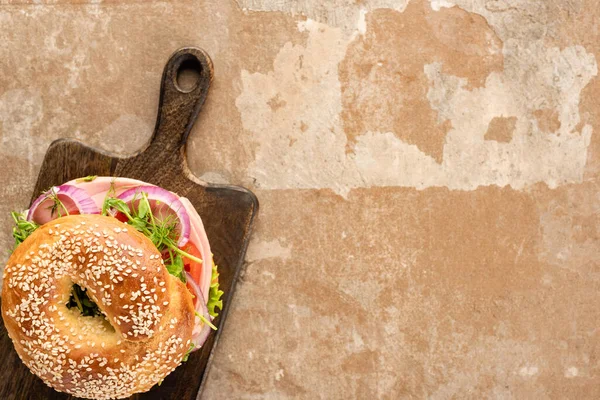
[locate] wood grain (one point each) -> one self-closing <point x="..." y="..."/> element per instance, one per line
<point x="227" y="213"/>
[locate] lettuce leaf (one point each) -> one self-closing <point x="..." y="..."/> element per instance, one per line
<point x="214" y="295"/>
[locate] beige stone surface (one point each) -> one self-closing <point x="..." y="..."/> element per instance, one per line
<point x="428" y="173"/>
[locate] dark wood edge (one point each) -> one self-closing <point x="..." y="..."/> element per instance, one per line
<point x="187" y="172"/>
<point x="238" y="271"/>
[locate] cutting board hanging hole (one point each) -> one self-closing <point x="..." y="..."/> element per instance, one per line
<point x="188" y="75"/>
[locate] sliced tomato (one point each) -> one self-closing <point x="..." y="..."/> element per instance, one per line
<point x="121" y="217"/>
<point x="193" y="267"/>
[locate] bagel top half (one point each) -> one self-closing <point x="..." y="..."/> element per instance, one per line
<point x="148" y="314"/>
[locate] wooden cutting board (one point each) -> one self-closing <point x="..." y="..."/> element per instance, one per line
<point x="227" y="213"/>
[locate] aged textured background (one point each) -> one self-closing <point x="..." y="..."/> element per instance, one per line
<point x="428" y="175"/>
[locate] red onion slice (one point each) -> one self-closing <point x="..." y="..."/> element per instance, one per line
<point x="101" y="185"/>
<point x="200" y="240"/>
<point x="75" y="200"/>
<point x="201" y="329"/>
<point x="169" y="199"/>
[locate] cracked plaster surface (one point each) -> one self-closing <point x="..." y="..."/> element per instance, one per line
<point x="427" y="170"/>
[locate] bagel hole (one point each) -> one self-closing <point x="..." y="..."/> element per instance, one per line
<point x="80" y="301"/>
<point x="89" y="317"/>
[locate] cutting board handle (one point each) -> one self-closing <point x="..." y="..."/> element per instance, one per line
<point x="178" y="108"/>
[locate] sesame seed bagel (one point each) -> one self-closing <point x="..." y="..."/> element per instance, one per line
<point x="149" y="314"/>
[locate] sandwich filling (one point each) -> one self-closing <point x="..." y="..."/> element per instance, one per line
<point x="168" y="220"/>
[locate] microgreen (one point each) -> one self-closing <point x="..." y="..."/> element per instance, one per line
<point x="112" y="203"/>
<point x="161" y="231"/>
<point x="57" y="205"/>
<point x="187" y="354"/>
<point x="206" y="321"/>
<point x="88" y="178"/>
<point x="176" y="267"/>
<point x="22" y="228"/>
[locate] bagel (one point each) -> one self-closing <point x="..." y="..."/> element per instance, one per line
<point x="147" y="315"/>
